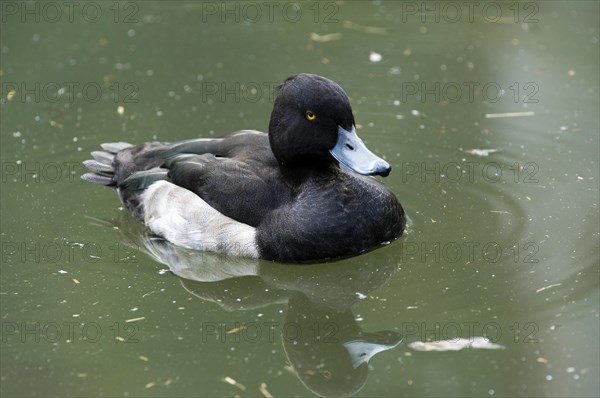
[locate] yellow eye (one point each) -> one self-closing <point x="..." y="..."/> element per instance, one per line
<point x="310" y="115"/>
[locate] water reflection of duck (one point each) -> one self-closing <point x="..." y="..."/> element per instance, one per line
<point x="332" y="353"/>
<point x="326" y="347"/>
<point x="281" y="196"/>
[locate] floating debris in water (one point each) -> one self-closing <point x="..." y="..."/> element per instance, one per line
<point x="541" y="289"/>
<point x="360" y="296"/>
<point x="455" y="344"/>
<point x="231" y="381"/>
<point x="75" y="281"/>
<point x="325" y="38"/>
<point x="375" y="57"/>
<point x="235" y="330"/>
<point x="263" y="390"/>
<point x="366" y="29"/>
<point x="508" y="114"/>
<point x="56" y="124"/>
<point x="481" y="152"/>
<point x="135" y="319"/>
<point x="121" y="110"/>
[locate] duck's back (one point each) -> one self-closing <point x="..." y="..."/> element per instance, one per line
<point x="244" y="188"/>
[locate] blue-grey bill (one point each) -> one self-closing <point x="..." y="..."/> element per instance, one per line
<point x="351" y="152"/>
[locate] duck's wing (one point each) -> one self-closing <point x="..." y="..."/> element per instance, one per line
<point x="232" y="174"/>
<point x="119" y="160"/>
<point x="244" y="189"/>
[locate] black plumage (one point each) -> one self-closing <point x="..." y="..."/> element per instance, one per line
<point x="286" y="184"/>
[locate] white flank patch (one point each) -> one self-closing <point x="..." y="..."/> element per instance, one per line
<point x="183" y="218"/>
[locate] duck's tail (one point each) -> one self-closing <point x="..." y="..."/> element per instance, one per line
<point x="124" y="167"/>
<point x="102" y="169"/>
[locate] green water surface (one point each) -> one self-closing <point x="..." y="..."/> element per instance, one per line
<point x="501" y="244"/>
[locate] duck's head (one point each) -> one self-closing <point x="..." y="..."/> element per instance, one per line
<point x="312" y="124"/>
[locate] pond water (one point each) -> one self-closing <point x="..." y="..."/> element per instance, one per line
<point x="487" y="112"/>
